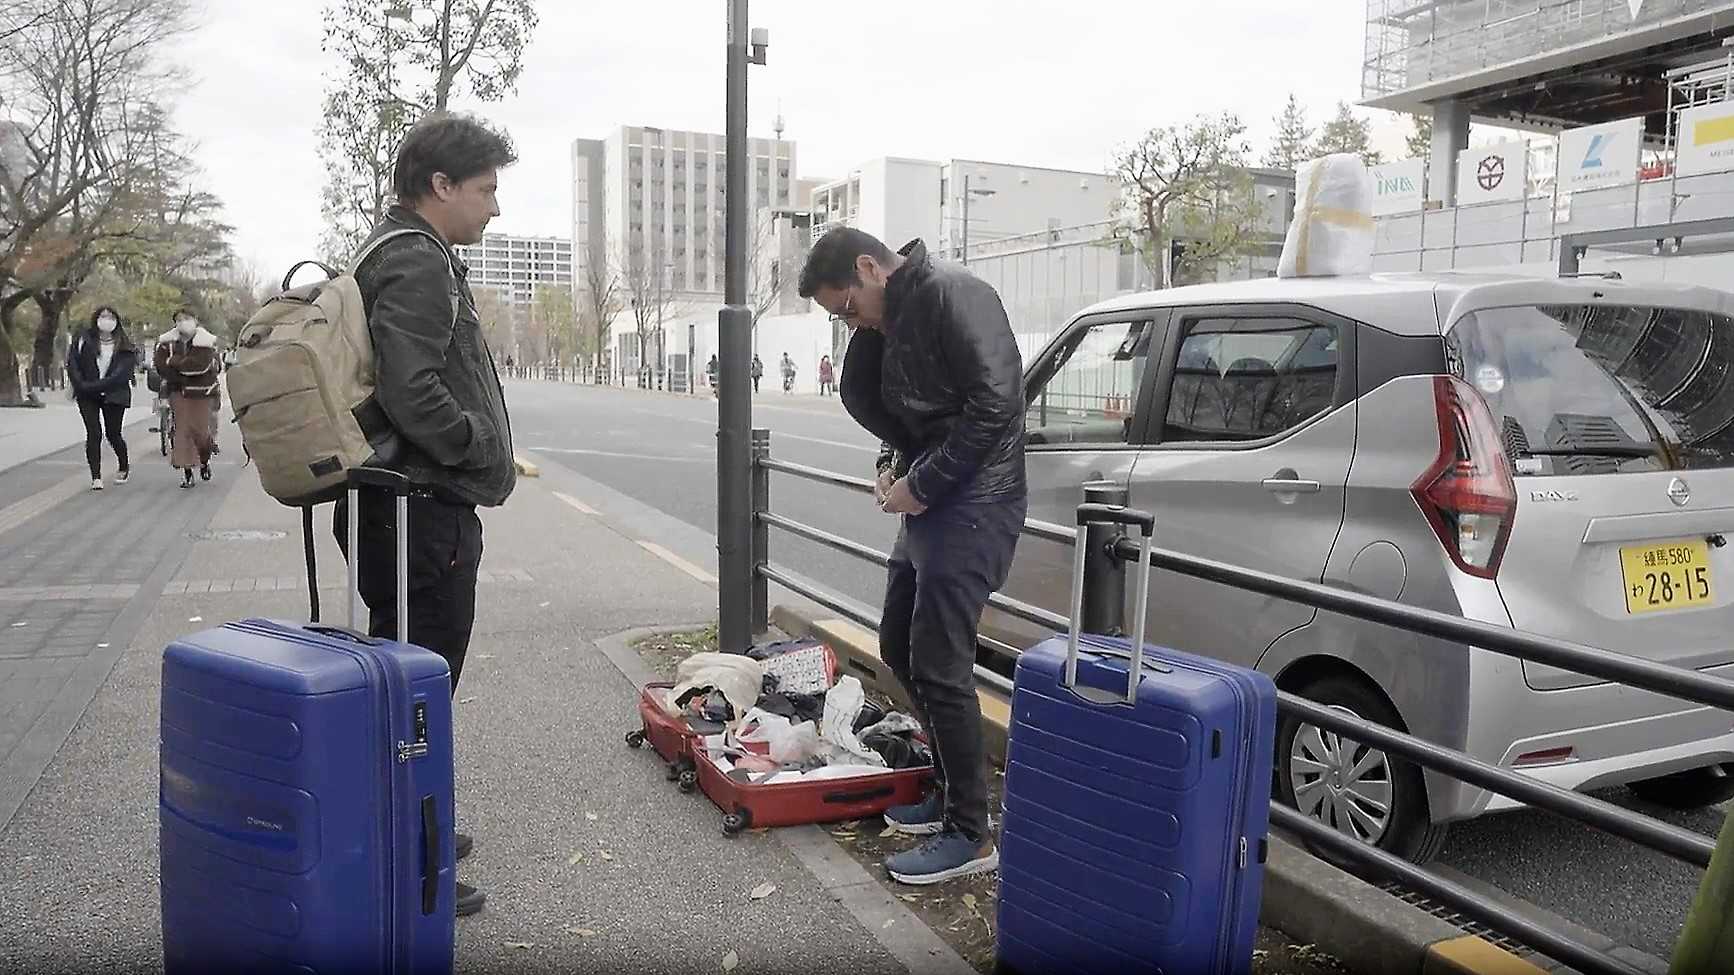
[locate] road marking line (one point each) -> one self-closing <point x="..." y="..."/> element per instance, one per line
<point x="620" y="454"/>
<point x="678" y="562"/>
<point x="574" y="502"/>
<point x="20" y="512"/>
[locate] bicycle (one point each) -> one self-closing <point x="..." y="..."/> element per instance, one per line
<point x="165" y="425"/>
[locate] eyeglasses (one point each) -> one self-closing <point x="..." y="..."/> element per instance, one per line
<point x="848" y="312"/>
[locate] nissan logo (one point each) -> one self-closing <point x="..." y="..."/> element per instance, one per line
<point x="1679" y="493"/>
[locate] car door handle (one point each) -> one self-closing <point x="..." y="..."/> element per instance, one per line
<point x="1291" y="485"/>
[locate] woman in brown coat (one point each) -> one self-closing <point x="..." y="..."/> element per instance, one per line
<point x="186" y="358"/>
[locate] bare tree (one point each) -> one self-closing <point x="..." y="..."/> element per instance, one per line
<point x="79" y="87"/>
<point x="599" y="297"/>
<point x="496" y="316"/>
<point x="446" y="48"/>
<point x="652" y="301"/>
<point x="1189" y="181"/>
<point x="768" y="278"/>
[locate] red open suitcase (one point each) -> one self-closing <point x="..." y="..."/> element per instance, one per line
<point x="668" y="734"/>
<point x="748" y="805"/>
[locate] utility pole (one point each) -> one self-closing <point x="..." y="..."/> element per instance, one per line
<point x="734" y="340"/>
<point x="964" y="256"/>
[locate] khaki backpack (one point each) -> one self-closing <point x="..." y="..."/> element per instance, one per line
<point x="302" y="383"/>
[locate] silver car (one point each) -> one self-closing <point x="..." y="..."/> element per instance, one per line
<point x="1551" y="455"/>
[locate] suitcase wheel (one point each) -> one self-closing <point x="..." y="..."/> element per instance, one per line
<point x="688" y="780"/>
<point x="735" y="822"/>
<point x="635" y="739"/>
<point x="673" y="771"/>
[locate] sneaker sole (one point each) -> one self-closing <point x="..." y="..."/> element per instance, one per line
<point x="914" y="829"/>
<point x="986" y="864"/>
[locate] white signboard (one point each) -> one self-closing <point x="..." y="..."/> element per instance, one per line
<point x="1492" y="174"/>
<point x="1706" y="140"/>
<point x="1397" y="186"/>
<point x="1600" y="155"/>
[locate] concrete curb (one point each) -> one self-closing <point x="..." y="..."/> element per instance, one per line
<point x="1304" y="897"/>
<point x="526" y="468"/>
<point x="899" y="930"/>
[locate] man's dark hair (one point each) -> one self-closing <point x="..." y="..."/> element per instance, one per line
<point x="832" y="261"/>
<point x="461" y="146"/>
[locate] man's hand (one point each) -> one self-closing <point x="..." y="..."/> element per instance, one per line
<point x="882" y="486"/>
<point x="901" y="501"/>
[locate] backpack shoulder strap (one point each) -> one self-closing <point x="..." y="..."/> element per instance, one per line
<point x="379" y="241"/>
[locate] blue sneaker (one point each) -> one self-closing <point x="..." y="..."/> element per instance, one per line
<point x="923" y="818"/>
<point x="946" y="856"/>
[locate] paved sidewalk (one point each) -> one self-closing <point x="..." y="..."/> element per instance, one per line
<point x="592" y="861"/>
<point x="26" y="433"/>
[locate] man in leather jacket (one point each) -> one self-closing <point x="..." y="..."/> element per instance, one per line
<point x="934" y="371"/>
<point x="448" y="431"/>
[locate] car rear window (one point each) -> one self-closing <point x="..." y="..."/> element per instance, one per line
<point x="1582" y="389"/>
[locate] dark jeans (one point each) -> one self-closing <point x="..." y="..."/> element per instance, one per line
<point x="445" y="553"/>
<point x="944" y="566"/>
<point x="97" y="418"/>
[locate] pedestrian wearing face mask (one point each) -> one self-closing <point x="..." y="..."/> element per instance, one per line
<point x="186" y="357"/>
<point x="100" y="366"/>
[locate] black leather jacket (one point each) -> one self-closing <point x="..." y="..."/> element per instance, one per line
<point x="942" y="385"/>
<point x="436" y="379"/>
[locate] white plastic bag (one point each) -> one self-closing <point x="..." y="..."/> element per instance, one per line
<point x="790" y="743"/>
<point x="1332" y="232"/>
<point x="843" y="704"/>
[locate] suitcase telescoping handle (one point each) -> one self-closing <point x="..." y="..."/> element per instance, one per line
<point x="398" y="485"/>
<point x="1113" y="514"/>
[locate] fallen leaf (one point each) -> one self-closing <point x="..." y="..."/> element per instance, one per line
<point x="888" y="923"/>
<point x="543" y="605"/>
<point x="607" y="856"/>
<point x="485" y="656"/>
<point x="888" y="831"/>
<point x="590" y="816"/>
<point x="969" y="901"/>
<point x="521" y="945"/>
<point x="911" y="898"/>
<point x="731" y="961"/>
<point x="582" y="932"/>
<point x="575" y="859"/>
<point x="102" y="646"/>
<point x="763" y="891"/>
<point x="466" y="700"/>
<point x="190" y="619"/>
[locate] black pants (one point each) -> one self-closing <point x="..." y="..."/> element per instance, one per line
<point x="445" y="553"/>
<point x="944" y="566"/>
<point x="99" y="416"/>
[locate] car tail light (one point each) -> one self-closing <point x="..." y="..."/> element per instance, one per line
<point x="1468" y="494"/>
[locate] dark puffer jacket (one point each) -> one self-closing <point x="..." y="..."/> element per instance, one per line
<point x="942" y="386"/>
<point x="435" y="378"/>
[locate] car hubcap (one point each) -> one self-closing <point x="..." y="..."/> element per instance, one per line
<point x="1340" y="782"/>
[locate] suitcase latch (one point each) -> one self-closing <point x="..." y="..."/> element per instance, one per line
<point x="407" y="750"/>
<point x="1243" y="853"/>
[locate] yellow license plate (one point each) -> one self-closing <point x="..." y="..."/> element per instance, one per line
<point x="1666" y="575"/>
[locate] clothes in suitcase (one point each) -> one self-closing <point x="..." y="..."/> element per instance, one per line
<point x="828" y="795"/>
<point x="1136" y="807"/>
<point x="305" y="798"/>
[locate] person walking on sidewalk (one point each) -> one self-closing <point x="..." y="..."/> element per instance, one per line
<point x="711" y="371"/>
<point x="448" y="431"/>
<point x="826" y="376"/>
<point x="788" y="365"/>
<point x="186" y="357"/>
<point x="758" y="372"/>
<point x="101" y="364"/>
<point x="934" y="372"/>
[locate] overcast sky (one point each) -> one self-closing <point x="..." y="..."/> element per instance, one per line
<point x="1033" y="82"/>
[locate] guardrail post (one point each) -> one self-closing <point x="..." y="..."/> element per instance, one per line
<point x="1707" y="941"/>
<point x="1104" y="576"/>
<point x="761" y="532"/>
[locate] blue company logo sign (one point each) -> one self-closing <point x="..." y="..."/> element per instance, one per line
<point x="1389" y="185"/>
<point x="1593" y="158"/>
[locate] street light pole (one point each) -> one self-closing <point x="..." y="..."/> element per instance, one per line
<point x="734" y="341"/>
<point x="964" y="256"/>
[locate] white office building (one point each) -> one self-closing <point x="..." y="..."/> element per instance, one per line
<point x="516" y="266"/>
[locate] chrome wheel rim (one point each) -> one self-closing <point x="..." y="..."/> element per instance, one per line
<point x="1341" y="782"/>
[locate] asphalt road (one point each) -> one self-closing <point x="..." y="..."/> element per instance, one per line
<point x="661" y="450"/>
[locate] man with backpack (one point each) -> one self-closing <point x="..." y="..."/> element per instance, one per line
<point x="444" y="409"/>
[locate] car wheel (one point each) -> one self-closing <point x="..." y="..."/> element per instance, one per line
<point x="1692" y="789"/>
<point x="1356" y="790"/>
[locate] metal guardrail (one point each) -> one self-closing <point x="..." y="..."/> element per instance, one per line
<point x="1105" y="572"/>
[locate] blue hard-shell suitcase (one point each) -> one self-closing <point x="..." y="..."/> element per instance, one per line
<point x="1136" y="804"/>
<point x="306" y="797"/>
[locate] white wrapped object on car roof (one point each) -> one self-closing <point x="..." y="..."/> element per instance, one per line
<point x="1332" y="232"/>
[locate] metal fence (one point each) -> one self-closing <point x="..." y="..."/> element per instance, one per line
<point x="1105" y="570"/>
